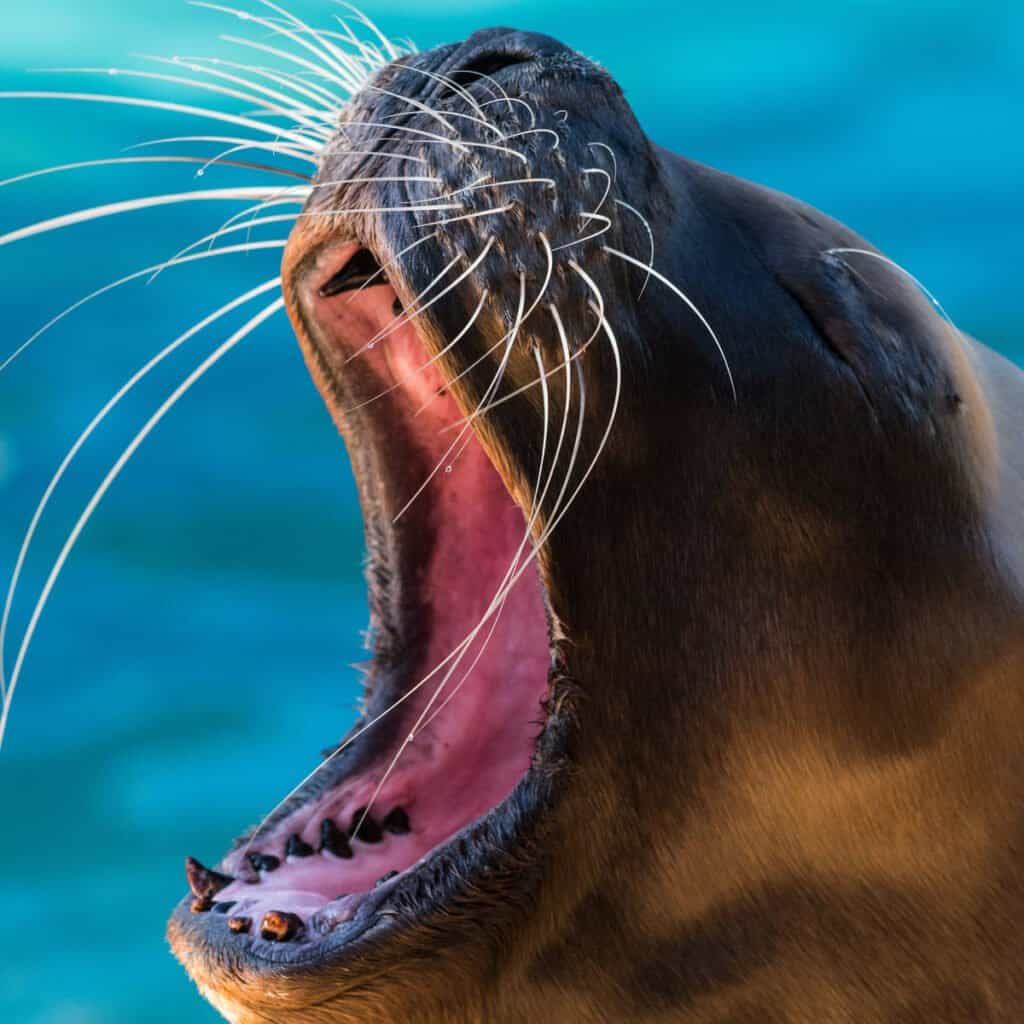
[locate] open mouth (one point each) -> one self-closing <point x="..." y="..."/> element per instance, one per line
<point x="456" y="692"/>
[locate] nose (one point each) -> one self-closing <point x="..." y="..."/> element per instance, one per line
<point x="490" y="51"/>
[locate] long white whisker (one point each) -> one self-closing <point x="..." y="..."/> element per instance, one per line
<point x="412" y="312"/>
<point x="344" y="79"/>
<point x="418" y="132"/>
<point x="226" y="251"/>
<point x="451" y="84"/>
<point x="147" y="368"/>
<point x="892" y="263"/>
<point x="293" y="58"/>
<point x="115" y="161"/>
<point x="108" y="480"/>
<point x="608" y="183"/>
<point x="312" y="101"/>
<point x="611" y="153"/>
<point x="480" y="185"/>
<point x="146" y="203"/>
<point x="650" y="236"/>
<point x="689" y="302"/>
<point x="312" y="91"/>
<point x="399" y="701"/>
<point x="300" y="141"/>
<point x="537" y="131"/>
<point x="390" y="263"/>
<point x="586" y="238"/>
<point x="419" y="369"/>
<point x="506" y="99"/>
<point x="343" y="62"/>
<point x="229" y="225"/>
<point x="508" y="340"/>
<point x="301" y="115"/>
<point x="408" y="317"/>
<point x="538" y="501"/>
<point x="278" y="148"/>
<point x="419" y="723"/>
<point x="364" y="19"/>
<point x="467" y="216"/>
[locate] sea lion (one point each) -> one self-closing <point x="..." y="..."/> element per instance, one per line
<point x="695" y="564"/>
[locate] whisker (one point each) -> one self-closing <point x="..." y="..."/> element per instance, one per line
<point x="650" y="236"/>
<point x="87" y="433"/>
<point x="226" y="251"/>
<point x="300" y="141"/>
<point x="145" y="203"/>
<point x="505" y="98"/>
<point x="399" y="701"/>
<point x="277" y="148"/>
<point x="297" y="114"/>
<point x="508" y="340"/>
<point x="407" y="318"/>
<point x="419" y="132"/>
<point x="293" y="58"/>
<point x="83" y="164"/>
<point x="423" y="108"/>
<point x="343" y="79"/>
<point x="312" y="91"/>
<point x="316" y="103"/>
<point x="446" y="80"/>
<point x="689" y="302"/>
<point x="892" y="263"/>
<point x="390" y="263"/>
<point x="343" y="62"/>
<point x="586" y="238"/>
<point x="393" y="53"/>
<point x="537" y="504"/>
<point x="104" y="486"/>
<point x="418" y="724"/>
<point x="479" y="185"/>
<point x="540" y="295"/>
<point x="419" y="369"/>
<point x="538" y="131"/>
<point x="467" y="216"/>
<point x="611" y="153"/>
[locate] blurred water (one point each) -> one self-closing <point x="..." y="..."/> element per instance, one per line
<point x="196" y="652"/>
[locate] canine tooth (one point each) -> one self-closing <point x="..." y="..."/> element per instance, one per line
<point x="333" y="840"/>
<point x="385" y="878"/>
<point x="239" y="925"/>
<point x="280" y="926"/>
<point x="396" y="822"/>
<point x="297" y="847"/>
<point x="264" y="861"/>
<point x="223" y="908"/>
<point x="364" y="828"/>
<point x="203" y="882"/>
<point x="200" y="905"/>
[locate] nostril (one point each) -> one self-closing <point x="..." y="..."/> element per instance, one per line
<point x="491" y="63"/>
<point x="487" y="65"/>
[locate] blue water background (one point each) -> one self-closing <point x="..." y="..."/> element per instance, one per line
<point x="196" y="654"/>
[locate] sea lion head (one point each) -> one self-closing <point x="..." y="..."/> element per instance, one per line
<point x="662" y="474"/>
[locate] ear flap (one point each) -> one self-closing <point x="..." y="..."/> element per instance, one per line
<point x="872" y="317"/>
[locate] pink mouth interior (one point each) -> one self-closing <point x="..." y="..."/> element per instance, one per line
<point x="484" y="723"/>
